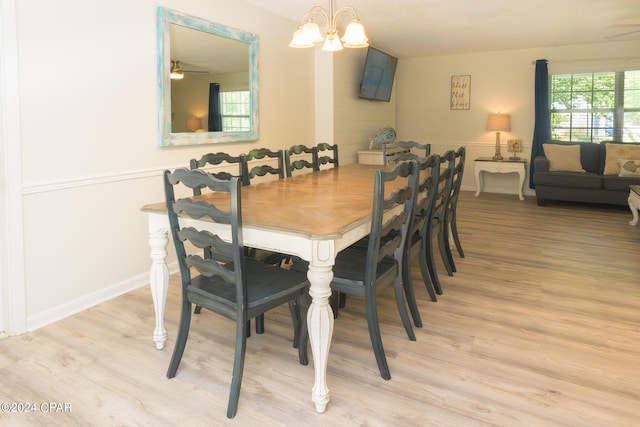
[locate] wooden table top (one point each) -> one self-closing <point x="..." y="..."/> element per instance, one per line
<point x="319" y="204"/>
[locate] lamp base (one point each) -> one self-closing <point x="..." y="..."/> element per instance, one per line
<point x="497" y="156"/>
<point x="514" y="158"/>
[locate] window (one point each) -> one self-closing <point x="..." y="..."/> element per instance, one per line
<point x="236" y="109"/>
<point x="596" y="106"/>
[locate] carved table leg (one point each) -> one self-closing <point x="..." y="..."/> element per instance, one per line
<point x="634" y="210"/>
<point x="479" y="183"/>
<point x="159" y="282"/>
<point x="320" y="323"/>
<point x="521" y="183"/>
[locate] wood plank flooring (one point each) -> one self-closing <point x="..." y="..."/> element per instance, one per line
<point x="540" y="326"/>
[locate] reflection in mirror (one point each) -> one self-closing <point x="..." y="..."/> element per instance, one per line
<point x="215" y="97"/>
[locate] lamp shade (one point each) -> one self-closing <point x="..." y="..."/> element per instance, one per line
<point x="499" y="122"/>
<point x="194" y="123"/>
<point x="332" y="43"/>
<point x="354" y="36"/>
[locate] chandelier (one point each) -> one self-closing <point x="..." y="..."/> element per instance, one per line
<point x="308" y="31"/>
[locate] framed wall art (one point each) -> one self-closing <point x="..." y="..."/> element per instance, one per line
<point x="461" y="92"/>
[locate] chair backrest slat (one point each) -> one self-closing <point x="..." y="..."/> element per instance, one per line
<point x="220" y="159"/>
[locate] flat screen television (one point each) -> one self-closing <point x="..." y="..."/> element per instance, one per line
<point x="377" y="76"/>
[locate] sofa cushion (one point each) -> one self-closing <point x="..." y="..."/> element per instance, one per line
<point x="590" y="157"/>
<point x="563" y="157"/>
<point x="615" y="151"/>
<point x="569" y="179"/>
<point x="619" y="183"/>
<point x="629" y="167"/>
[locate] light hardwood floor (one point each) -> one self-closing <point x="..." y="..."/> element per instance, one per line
<point x="540" y="326"/>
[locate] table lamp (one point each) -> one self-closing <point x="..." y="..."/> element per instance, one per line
<point x="498" y="123"/>
<point x="194" y="124"/>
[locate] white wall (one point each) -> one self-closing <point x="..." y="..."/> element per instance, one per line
<point x="500" y="81"/>
<point x="89" y="137"/>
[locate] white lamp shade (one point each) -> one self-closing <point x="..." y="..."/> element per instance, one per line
<point x="194" y="123"/>
<point x="332" y="43"/>
<point x="354" y="36"/>
<point x="311" y="31"/>
<point x="499" y="122"/>
<point x="299" y="41"/>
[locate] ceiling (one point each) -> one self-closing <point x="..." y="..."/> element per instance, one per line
<point x="417" y="28"/>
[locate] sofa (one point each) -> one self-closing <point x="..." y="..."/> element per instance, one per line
<point x="586" y="172"/>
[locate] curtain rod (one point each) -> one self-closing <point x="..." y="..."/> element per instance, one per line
<point x="619" y="58"/>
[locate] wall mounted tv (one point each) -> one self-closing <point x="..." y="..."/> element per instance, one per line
<point x="378" y="74"/>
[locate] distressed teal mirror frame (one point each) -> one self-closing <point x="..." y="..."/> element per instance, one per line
<point x="166" y="136"/>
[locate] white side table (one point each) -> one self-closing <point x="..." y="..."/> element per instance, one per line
<point x="487" y="164"/>
<point x="634" y="202"/>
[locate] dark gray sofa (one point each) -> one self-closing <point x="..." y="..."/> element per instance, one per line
<point x="591" y="186"/>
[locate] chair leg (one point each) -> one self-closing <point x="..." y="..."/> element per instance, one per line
<point x="426" y="273"/>
<point x="181" y="340"/>
<point x="431" y="264"/>
<point x="295" y="317"/>
<point x="374" y="334"/>
<point x="398" y="289"/>
<point x="410" y="295"/>
<point x="447" y="236"/>
<point x="343" y="300"/>
<point x="443" y="244"/>
<point x="197" y="310"/>
<point x="238" y="368"/>
<point x="454" y="232"/>
<point x="260" y="324"/>
<point x="303" y="334"/>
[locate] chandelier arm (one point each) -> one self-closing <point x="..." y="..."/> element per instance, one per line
<point x="344" y="10"/>
<point x="315" y="11"/>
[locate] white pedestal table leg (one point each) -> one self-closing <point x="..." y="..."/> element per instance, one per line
<point x="320" y="323"/>
<point x="159" y="282"/>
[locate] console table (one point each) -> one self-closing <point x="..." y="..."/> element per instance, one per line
<point x="489" y="165"/>
<point x="634" y="202"/>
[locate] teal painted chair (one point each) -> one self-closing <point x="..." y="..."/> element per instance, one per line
<point x="228" y="283"/>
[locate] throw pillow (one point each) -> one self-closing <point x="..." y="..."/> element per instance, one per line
<point x="629" y="167"/>
<point x="619" y="151"/>
<point x="563" y="157"/>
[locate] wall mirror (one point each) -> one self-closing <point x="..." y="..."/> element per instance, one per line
<point x="216" y="100"/>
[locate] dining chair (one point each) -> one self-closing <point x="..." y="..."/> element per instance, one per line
<point x="328" y="158"/>
<point x="228" y="283"/>
<point x="220" y="159"/>
<point x="367" y="273"/>
<point x="458" y="172"/>
<point x="300" y="157"/>
<point x="417" y="239"/>
<point x="404" y="150"/>
<point x="437" y="220"/>
<point x="265" y="154"/>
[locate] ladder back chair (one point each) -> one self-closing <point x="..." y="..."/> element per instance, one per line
<point x="264" y="154"/>
<point x="458" y="172"/>
<point x="417" y="239"/>
<point x="300" y="157"/>
<point x="365" y="273"/>
<point x="437" y="220"/>
<point x="228" y="283"/>
<point x="220" y="159"/>
<point x="404" y="150"/>
<point x="327" y="155"/>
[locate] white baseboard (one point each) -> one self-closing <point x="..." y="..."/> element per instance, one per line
<point x="72" y="307"/>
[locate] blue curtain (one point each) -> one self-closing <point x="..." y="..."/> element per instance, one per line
<point x="542" y="127"/>
<point x="215" y="115"/>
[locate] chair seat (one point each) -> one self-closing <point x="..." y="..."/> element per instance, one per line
<point x="266" y="285"/>
<point x="350" y="268"/>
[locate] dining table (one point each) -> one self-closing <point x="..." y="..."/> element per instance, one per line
<point x="312" y="216"/>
